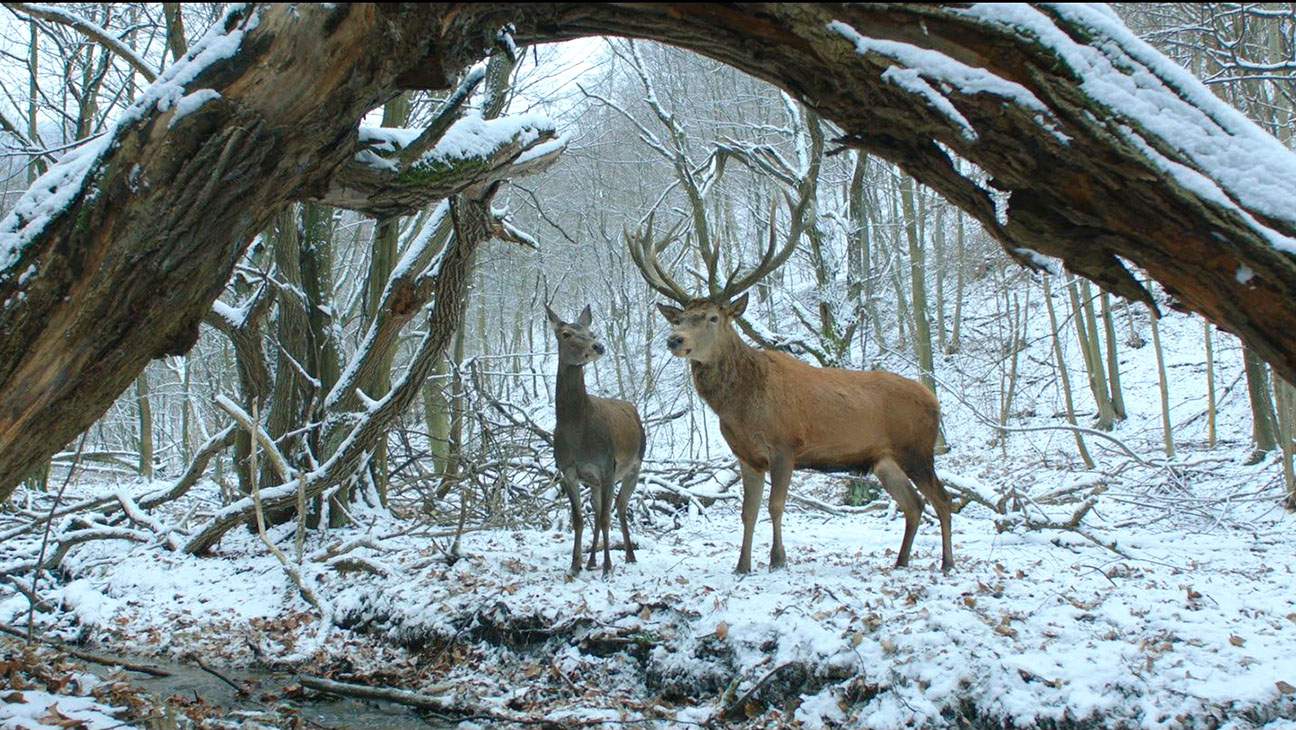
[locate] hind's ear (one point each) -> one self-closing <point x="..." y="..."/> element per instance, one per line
<point x="738" y="307"/>
<point x="554" y="319"/>
<point x="586" y="316"/>
<point x="672" y="314"/>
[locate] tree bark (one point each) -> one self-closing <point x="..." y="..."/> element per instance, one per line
<point x="126" y="269"/>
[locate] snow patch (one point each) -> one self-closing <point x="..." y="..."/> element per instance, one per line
<point x="190" y="103"/>
<point x="1247" y="166"/>
<point x="923" y="63"/>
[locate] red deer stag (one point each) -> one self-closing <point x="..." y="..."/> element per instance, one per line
<point x="778" y="413"/>
<point x="597" y="441"/>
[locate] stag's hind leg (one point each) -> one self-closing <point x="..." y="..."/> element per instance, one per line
<point x="924" y="475"/>
<point x="622" y="503"/>
<point x="907" y="498"/>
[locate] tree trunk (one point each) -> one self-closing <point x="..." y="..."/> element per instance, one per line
<point x="858" y="276"/>
<point x="1166" y="431"/>
<point x="1263" y="426"/>
<point x="918" y="286"/>
<point x="1088" y="340"/>
<point x="144" y="436"/>
<point x="175" y="30"/>
<point x="1210" y="384"/>
<point x="1113" y="362"/>
<point x="1062" y="373"/>
<point x="381" y="263"/>
<point x="295" y="388"/>
<point x="1285" y="402"/>
<point x="956" y="328"/>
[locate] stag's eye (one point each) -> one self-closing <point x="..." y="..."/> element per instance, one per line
<point x="715" y="318"/>
<point x="566" y="335"/>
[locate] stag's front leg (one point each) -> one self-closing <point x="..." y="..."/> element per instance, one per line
<point x="780" y="478"/>
<point x="753" y="485"/>
<point x="572" y="486"/>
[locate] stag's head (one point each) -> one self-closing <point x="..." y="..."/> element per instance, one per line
<point x="699" y="326"/>
<point x="703" y="323"/>
<point x="577" y="345"/>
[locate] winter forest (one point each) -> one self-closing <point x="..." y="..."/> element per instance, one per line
<point x="306" y="312"/>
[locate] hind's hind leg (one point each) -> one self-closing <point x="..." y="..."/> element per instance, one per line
<point x="622" y="504"/>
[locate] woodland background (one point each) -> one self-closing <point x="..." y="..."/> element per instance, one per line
<point x="1067" y="410"/>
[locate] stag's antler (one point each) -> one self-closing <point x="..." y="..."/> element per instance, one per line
<point x="644" y="251"/>
<point x="770" y="259"/>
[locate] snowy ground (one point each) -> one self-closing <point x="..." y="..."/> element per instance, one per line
<point x="1187" y="622"/>
<point x="1172" y="604"/>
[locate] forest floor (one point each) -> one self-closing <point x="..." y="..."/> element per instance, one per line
<point x="1170" y="604"/>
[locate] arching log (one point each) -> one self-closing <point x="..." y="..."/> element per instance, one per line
<point x="1100" y="150"/>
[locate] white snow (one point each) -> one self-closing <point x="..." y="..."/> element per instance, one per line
<point x="922" y="63"/>
<point x="48" y="196"/>
<point x="1160" y="100"/>
<point x="469" y="137"/>
<point x="80" y="712"/>
<point x="190" y="103"/>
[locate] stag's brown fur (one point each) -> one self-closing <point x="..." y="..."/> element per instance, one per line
<point x="597" y="441"/>
<point x="778" y="413"/>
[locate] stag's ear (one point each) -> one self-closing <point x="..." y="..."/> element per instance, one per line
<point x="554" y="319"/>
<point x="739" y="306"/>
<point x="586" y="316"/>
<point x="672" y="314"/>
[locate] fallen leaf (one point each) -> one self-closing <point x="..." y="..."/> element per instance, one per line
<point x="13" y="697"/>
<point x="721" y="630"/>
<point x="1236" y="640"/>
<point x="1284" y="688"/>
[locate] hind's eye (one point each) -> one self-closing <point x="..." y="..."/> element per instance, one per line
<point x="566" y="335"/>
<point x="714" y="318"/>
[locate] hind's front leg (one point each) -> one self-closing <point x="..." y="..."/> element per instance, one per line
<point x="572" y="487"/>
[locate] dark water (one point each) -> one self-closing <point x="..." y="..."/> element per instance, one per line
<point x="338" y="713"/>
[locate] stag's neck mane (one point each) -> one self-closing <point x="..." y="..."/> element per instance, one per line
<point x="571" y="400"/>
<point x="728" y="381"/>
